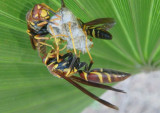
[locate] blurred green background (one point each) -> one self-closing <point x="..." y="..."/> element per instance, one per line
<point x="25" y="83"/>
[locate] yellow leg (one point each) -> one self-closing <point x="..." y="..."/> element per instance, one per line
<point x="55" y="19"/>
<point x="28" y="32"/>
<point x="42" y="23"/>
<point x="45" y="38"/>
<point x="59" y="35"/>
<point x="68" y="73"/>
<point x="71" y="70"/>
<point x="42" y="43"/>
<point x="72" y="39"/>
<point x="79" y="54"/>
<point x="91" y="62"/>
<point x="55" y="23"/>
<point x="87" y="48"/>
<point x="57" y="46"/>
<point x="63" y="48"/>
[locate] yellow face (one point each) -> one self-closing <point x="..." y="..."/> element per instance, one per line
<point x="44" y="14"/>
<point x="40" y="13"/>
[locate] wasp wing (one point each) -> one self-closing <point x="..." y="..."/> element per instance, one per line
<point x="89" y="93"/>
<point x="33" y="43"/>
<point x="105" y="23"/>
<point x="94" y="84"/>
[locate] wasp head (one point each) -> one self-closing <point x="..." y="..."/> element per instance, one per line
<point x="38" y="17"/>
<point x="40" y="13"/>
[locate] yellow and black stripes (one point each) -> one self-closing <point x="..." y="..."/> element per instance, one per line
<point x="67" y="66"/>
<point x="103" y="75"/>
<point x="61" y="66"/>
<point x="98" y="33"/>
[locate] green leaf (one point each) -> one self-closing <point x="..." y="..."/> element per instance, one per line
<point x="25" y="83"/>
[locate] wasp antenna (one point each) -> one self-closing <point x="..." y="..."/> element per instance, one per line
<point x="62" y="3"/>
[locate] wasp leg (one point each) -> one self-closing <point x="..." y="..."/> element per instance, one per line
<point x="42" y="23"/>
<point x="55" y="23"/>
<point x="63" y="48"/>
<point x="79" y="54"/>
<point x="80" y="80"/>
<point x="69" y="55"/>
<point x="34" y="41"/>
<point x="57" y="45"/>
<point x="51" y="20"/>
<point x="91" y="60"/>
<point x="44" y="38"/>
<point x="28" y="32"/>
<point x="89" y="93"/>
<point x="72" y="38"/>
<point x="37" y="37"/>
<point x="72" y="65"/>
<point x="43" y="43"/>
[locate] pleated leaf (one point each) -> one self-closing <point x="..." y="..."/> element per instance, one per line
<point x="25" y="83"/>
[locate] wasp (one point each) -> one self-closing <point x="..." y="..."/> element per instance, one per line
<point x="37" y="20"/>
<point x="76" y="31"/>
<point x="98" y="28"/>
<point x="69" y="64"/>
<point x="64" y="25"/>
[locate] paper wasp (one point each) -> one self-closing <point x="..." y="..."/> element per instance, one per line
<point x="37" y="20"/>
<point x="40" y="23"/>
<point x="68" y="64"/>
<point x="98" y="28"/>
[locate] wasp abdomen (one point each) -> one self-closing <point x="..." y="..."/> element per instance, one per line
<point x="104" y="75"/>
<point x="99" y="33"/>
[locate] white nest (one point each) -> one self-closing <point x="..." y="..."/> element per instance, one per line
<point x="63" y="28"/>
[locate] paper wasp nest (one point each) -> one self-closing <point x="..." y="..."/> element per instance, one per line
<point x="63" y="28"/>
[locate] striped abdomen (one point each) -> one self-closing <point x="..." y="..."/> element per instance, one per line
<point x="98" y="33"/>
<point x="104" y="75"/>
